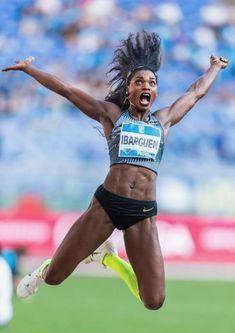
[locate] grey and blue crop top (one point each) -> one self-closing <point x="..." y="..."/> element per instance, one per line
<point x="136" y="142"/>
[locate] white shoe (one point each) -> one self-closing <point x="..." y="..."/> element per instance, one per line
<point x="98" y="255"/>
<point x="31" y="282"/>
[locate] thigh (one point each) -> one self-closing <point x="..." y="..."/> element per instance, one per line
<point x="144" y="253"/>
<point x="86" y="234"/>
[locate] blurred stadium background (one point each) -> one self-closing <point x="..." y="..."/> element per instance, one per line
<point x="52" y="157"/>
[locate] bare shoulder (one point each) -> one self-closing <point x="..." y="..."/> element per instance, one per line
<point x="162" y="115"/>
<point x="109" y="116"/>
<point x="112" y="111"/>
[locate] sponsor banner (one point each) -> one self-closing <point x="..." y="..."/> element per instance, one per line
<point x="182" y="238"/>
<point x="198" y="239"/>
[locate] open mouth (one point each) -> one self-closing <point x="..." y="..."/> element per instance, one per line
<point x="145" y="98"/>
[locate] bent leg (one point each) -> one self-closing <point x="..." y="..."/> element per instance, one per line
<point x="144" y="253"/>
<point x="124" y="271"/>
<point x="85" y="235"/>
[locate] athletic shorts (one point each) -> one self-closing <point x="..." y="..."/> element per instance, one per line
<point x="124" y="212"/>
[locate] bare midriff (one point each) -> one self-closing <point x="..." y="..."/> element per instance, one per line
<point x="132" y="182"/>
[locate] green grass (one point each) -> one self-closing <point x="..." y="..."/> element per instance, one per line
<point x="104" y="305"/>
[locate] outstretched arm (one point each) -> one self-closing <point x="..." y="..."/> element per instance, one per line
<point x="90" y="106"/>
<point x="170" y="116"/>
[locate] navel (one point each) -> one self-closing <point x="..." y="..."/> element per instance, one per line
<point x="132" y="185"/>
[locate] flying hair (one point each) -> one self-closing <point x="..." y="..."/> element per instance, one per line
<point x="138" y="51"/>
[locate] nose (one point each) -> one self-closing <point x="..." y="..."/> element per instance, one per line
<point x="146" y="85"/>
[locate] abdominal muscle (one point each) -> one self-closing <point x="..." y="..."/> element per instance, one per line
<point x="132" y="182"/>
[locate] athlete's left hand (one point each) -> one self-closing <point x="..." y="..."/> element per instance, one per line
<point x="219" y="61"/>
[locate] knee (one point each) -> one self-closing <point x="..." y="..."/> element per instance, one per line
<point x="53" y="277"/>
<point x="154" y="302"/>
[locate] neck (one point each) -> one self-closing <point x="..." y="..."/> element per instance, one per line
<point x="138" y="115"/>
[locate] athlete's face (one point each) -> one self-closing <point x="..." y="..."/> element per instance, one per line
<point x="142" y="90"/>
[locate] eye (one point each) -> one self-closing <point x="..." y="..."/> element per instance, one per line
<point x="152" y="83"/>
<point x="138" y="82"/>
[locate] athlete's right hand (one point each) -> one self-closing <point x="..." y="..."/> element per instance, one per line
<point x="19" y="65"/>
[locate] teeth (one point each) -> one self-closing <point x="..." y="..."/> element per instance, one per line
<point x="146" y="96"/>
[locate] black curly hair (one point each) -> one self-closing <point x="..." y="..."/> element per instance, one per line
<point x="138" y="51"/>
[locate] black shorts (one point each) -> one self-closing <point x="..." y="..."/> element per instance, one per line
<point x="124" y="212"/>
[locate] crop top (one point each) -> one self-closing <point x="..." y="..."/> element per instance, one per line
<point x="136" y="142"/>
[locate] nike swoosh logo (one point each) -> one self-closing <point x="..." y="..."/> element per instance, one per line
<point x="147" y="209"/>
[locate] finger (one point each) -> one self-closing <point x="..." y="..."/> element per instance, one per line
<point x="30" y="59"/>
<point x="6" y="69"/>
<point x="224" y="62"/>
<point x="214" y="57"/>
<point x="9" y="68"/>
